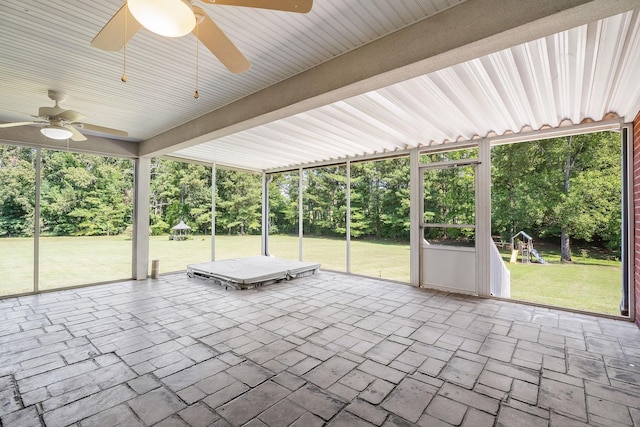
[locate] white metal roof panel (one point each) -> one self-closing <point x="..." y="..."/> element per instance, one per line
<point x="581" y="74"/>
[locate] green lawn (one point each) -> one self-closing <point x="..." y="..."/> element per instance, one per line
<point x="69" y="261"/>
<point x="592" y="283"/>
<point x="64" y="261"/>
<point x="594" y="288"/>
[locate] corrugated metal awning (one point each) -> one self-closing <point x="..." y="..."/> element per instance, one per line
<point x="583" y="74"/>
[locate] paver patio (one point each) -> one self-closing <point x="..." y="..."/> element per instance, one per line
<point x="327" y="349"/>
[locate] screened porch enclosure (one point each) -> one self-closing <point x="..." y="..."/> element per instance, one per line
<point x="560" y="219"/>
<point x="66" y="219"/>
<point x="452" y="221"/>
<point x="352" y="217"/>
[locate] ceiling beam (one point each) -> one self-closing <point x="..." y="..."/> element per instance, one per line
<point x="31" y="136"/>
<point x="470" y="30"/>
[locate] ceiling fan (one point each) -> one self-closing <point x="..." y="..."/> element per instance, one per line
<point x="176" y="18"/>
<point x="61" y="123"/>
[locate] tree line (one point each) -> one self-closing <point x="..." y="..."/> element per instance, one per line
<point x="564" y="188"/>
<point x="80" y="195"/>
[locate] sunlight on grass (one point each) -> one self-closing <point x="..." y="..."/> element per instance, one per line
<point x="71" y="261"/>
<point x="588" y="284"/>
<point x="386" y="260"/>
<point x="583" y="287"/>
<point x="64" y="261"/>
<point x="16" y="265"/>
<point x="68" y="261"/>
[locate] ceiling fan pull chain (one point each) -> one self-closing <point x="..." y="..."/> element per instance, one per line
<point x="196" y="95"/>
<point x="124" y="49"/>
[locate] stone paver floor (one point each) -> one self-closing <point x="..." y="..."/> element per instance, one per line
<point x="327" y="349"/>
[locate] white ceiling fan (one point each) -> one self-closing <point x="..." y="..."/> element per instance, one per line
<point x="176" y="18"/>
<point x="63" y="124"/>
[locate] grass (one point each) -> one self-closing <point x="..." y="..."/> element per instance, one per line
<point x="582" y="287"/>
<point x="64" y="261"/>
<point x="591" y="283"/>
<point x="70" y="261"/>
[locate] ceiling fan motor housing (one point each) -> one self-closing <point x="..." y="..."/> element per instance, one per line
<point x="56" y="96"/>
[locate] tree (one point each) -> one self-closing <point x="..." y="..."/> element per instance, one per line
<point x="380" y="199"/>
<point x="395" y="199"/>
<point x="365" y="200"/>
<point x="518" y="184"/>
<point x="449" y="195"/>
<point x="85" y="195"/>
<point x="283" y="203"/>
<point x="179" y="191"/>
<point x="238" y="201"/>
<point x="572" y="151"/>
<point x="17" y="192"/>
<point x="590" y="196"/>
<point x="325" y="201"/>
<point x="567" y="188"/>
<point x="161" y="194"/>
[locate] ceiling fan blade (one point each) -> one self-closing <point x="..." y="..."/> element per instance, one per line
<point x="102" y="129"/>
<point x="77" y="136"/>
<point x="49" y="111"/>
<point x="219" y="44"/>
<point x="299" y="6"/>
<point x="70" y="116"/>
<point x="14" y="124"/>
<point x="111" y="37"/>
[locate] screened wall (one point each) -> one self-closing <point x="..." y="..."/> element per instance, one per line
<point x="355" y="216"/>
<point x="380" y="218"/>
<point x="65" y="219"/>
<point x="17" y="215"/>
<point x="238" y="203"/>
<point x="324" y="216"/>
<point x="86" y="216"/>
<point x="284" y="189"/>
<point x="557" y="215"/>
<point x="180" y="214"/>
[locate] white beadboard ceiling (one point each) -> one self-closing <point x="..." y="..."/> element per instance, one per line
<point x="46" y="45"/>
<point x="581" y="74"/>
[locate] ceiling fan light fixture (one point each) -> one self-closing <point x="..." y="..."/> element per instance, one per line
<point x="169" y="18"/>
<point x="56" y="132"/>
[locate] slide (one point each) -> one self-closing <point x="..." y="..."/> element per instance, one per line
<point x="514" y="256"/>
<point x="538" y="257"/>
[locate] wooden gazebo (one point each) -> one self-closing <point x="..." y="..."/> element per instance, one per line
<point x="180" y="231"/>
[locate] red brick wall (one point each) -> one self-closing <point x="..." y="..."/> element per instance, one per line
<point x="636" y="200"/>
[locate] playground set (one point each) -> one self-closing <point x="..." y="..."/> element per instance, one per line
<point x="522" y="244"/>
